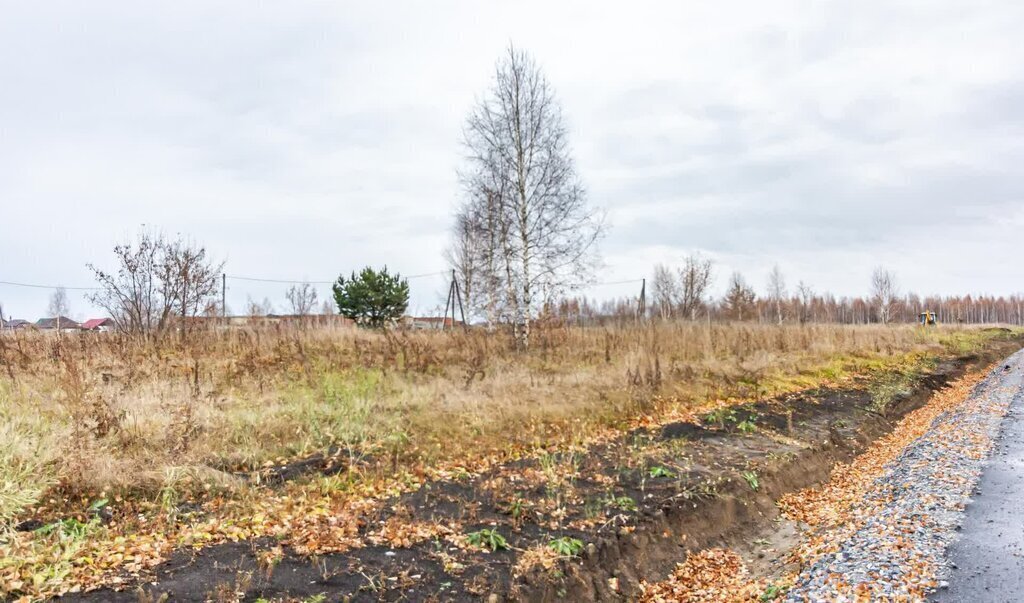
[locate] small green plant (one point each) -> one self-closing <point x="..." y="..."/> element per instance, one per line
<point x="170" y="496"/>
<point x="751" y="479"/>
<point x="747" y="425"/>
<point x="547" y="462"/>
<point x="721" y="416"/>
<point x="487" y="539"/>
<point x="622" y="503"/>
<point x="70" y="528"/>
<point x="727" y="418"/>
<point x="516" y="509"/>
<point x="566" y="546"/>
<point x="659" y="471"/>
<point x="772" y="593"/>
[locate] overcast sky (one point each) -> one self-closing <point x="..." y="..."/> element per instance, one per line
<point x="298" y="140"/>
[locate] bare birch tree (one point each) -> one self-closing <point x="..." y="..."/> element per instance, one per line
<point x="665" y="291"/>
<point x="805" y="297"/>
<point x="263" y="308"/>
<point x="776" y="291"/>
<point x="884" y="293"/>
<point x="302" y="299"/>
<point x="694" y="279"/>
<point x="58" y="305"/>
<point x="466" y="256"/>
<point x="534" y="235"/>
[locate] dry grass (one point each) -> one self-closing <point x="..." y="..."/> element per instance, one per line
<point x="151" y="426"/>
<point x="94" y="413"/>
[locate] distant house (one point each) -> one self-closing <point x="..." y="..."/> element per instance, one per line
<point x="62" y="323"/>
<point x="98" y="324"/>
<point x="15" y="323"/>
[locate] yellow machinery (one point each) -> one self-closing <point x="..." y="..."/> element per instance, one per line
<point x="927" y="318"/>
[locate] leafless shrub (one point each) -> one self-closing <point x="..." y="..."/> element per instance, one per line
<point x="301" y="298"/>
<point x="739" y="299"/>
<point x="93" y="415"/>
<point x="682" y="293"/>
<point x="254" y="308"/>
<point x="156" y="279"/>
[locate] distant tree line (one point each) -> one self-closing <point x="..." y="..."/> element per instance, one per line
<point x="682" y="294"/>
<point x="156" y="281"/>
<point x="818" y="308"/>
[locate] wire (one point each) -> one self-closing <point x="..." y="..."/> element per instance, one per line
<point x="286" y="281"/>
<point x="50" y="286"/>
<point x="274" y="280"/>
<point x="301" y="282"/>
<point x="636" y="280"/>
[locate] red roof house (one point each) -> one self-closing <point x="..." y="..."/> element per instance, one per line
<point x="98" y="324"/>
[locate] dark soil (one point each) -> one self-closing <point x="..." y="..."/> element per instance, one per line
<point x="321" y="464"/>
<point x="639" y="503"/>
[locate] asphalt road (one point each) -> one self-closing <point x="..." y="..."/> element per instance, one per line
<point x="988" y="558"/>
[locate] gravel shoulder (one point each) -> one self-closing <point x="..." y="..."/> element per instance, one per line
<point x="986" y="562"/>
<point x="893" y="545"/>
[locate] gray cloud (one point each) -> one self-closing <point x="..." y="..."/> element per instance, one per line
<point x="309" y="139"/>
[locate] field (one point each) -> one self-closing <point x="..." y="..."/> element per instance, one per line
<point x="489" y="469"/>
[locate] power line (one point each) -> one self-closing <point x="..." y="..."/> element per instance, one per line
<point x="274" y="280"/>
<point x="428" y="274"/>
<point x="629" y="282"/>
<point x="287" y="282"/>
<point x="34" y="286"/>
<point x="308" y="282"/>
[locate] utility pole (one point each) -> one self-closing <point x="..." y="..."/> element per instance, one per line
<point x="642" y="306"/>
<point x="458" y="296"/>
<point x="448" y="302"/>
<point x="224" y="297"/>
<point x="454" y="297"/>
